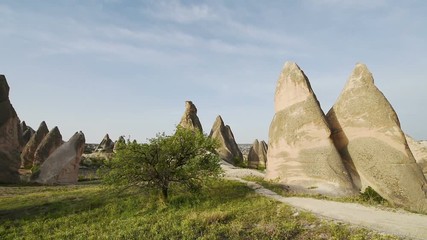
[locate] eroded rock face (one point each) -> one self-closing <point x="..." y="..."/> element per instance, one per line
<point x="47" y="146"/>
<point x="27" y="155"/>
<point x="257" y="157"/>
<point x="419" y="150"/>
<point x="62" y="166"/>
<point x="366" y="131"/>
<point x="10" y="133"/>
<point x="106" y="145"/>
<point x="228" y="150"/>
<point x="27" y="133"/>
<point x="190" y="119"/>
<point x="301" y="153"/>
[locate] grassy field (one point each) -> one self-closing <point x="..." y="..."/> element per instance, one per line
<point x="222" y="210"/>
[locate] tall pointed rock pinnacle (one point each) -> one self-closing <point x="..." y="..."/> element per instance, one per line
<point x="301" y="153"/>
<point x="47" y="146"/>
<point x="27" y="155"/>
<point x="10" y="137"/>
<point x="228" y="149"/>
<point x="62" y="166"/>
<point x="257" y="157"/>
<point x="106" y="145"/>
<point x="366" y="131"/>
<point x="190" y="119"/>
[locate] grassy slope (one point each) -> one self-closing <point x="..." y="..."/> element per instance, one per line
<point x="223" y="210"/>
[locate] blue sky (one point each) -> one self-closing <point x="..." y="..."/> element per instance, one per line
<point x="127" y="67"/>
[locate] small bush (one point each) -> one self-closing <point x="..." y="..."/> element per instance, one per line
<point x="371" y="196"/>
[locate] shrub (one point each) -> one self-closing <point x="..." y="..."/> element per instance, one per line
<point x="370" y="195"/>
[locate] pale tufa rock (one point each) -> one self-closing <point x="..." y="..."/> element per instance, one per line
<point x="62" y="166"/>
<point x="257" y="157"/>
<point x="366" y="131"/>
<point x="190" y="119"/>
<point x="301" y="153"/>
<point x="228" y="149"/>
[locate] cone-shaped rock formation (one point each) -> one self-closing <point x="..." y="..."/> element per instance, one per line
<point x="10" y="135"/>
<point x="190" y="119"/>
<point x="366" y="131"/>
<point x="228" y="149"/>
<point x="62" y="166"/>
<point x="47" y="146"/>
<point x="257" y="157"/>
<point x="106" y="145"/>
<point x="27" y="155"/>
<point x="301" y="153"/>
<point x="27" y="133"/>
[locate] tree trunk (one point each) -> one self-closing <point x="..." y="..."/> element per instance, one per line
<point x="165" y="190"/>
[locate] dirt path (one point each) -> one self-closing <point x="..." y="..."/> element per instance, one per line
<point x="401" y="223"/>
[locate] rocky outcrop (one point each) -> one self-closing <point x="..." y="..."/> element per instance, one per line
<point x="190" y="119"/>
<point x="366" y="131"/>
<point x="228" y="149"/>
<point x="10" y="134"/>
<point x="47" y="146"/>
<point x="27" y="155"/>
<point x="419" y="150"/>
<point x="106" y="145"/>
<point x="301" y="153"/>
<point x="62" y="166"/>
<point x="257" y="157"/>
<point x="27" y="133"/>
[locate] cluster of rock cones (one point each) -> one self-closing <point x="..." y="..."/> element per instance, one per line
<point x="358" y="143"/>
<point x="228" y="149"/>
<point x="52" y="161"/>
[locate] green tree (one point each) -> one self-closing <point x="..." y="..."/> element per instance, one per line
<point x="187" y="157"/>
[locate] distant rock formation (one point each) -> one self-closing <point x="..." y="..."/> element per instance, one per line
<point x="62" y="166"/>
<point x="10" y="134"/>
<point x="419" y="150"/>
<point x="366" y="131"/>
<point x="106" y="145"/>
<point x="47" y="146"/>
<point x="27" y="155"/>
<point x="257" y="157"/>
<point x="228" y="149"/>
<point x="190" y="119"/>
<point x="27" y="133"/>
<point x="301" y="153"/>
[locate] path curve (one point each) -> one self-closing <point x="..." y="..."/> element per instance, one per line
<point x="401" y="223"/>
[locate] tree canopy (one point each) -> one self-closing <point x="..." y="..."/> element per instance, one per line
<point x="187" y="157"/>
